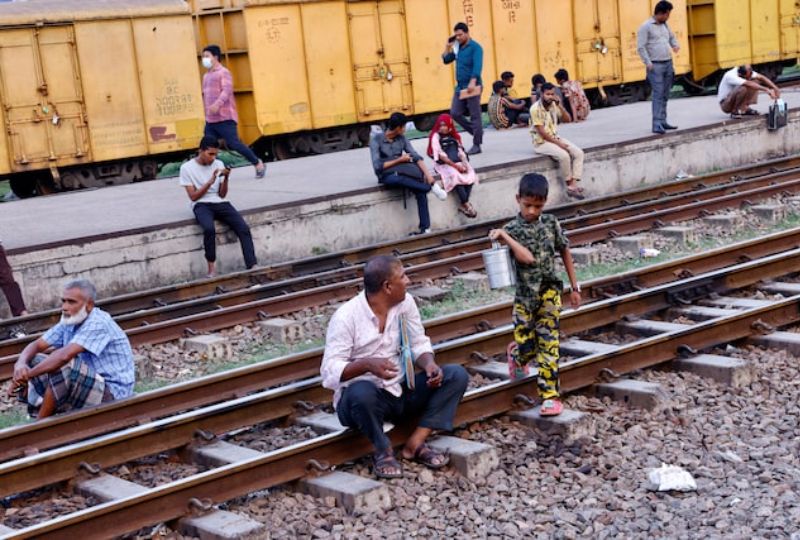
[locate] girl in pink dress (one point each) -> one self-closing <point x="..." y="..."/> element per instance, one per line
<point x="451" y="163"/>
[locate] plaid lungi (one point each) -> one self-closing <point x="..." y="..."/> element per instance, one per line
<point x="75" y="385"/>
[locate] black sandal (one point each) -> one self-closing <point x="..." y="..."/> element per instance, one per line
<point x="382" y="462"/>
<point x="427" y="456"/>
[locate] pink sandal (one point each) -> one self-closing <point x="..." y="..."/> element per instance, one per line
<point x="551" y="407"/>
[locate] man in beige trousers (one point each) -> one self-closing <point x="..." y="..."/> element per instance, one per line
<point x="545" y="115"/>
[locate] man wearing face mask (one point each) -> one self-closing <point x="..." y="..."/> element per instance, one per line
<point x="220" y="107"/>
<point x="90" y="359"/>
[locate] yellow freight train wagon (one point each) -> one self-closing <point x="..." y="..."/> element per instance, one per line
<point x="724" y="34"/>
<point x="312" y="75"/>
<point x="94" y="92"/>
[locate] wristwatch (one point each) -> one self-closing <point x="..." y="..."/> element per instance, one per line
<point x="576" y="288"/>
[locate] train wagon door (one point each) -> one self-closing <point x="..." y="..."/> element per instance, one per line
<point x="765" y="43"/>
<point x="45" y="118"/>
<point x="790" y="28"/>
<point x="597" y="41"/>
<point x="381" y="66"/>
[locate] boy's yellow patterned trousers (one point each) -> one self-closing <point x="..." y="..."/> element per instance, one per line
<point x="536" y="335"/>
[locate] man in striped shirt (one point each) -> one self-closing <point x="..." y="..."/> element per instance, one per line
<point x="220" y="107"/>
<point x="91" y="360"/>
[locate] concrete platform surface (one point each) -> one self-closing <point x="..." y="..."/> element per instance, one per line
<point x="64" y="217"/>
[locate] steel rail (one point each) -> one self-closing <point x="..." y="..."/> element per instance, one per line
<point x="61" y="464"/>
<point x="171" y="500"/>
<point x="596" y="233"/>
<point x="209" y="314"/>
<point x="63" y="429"/>
<point x="162" y="296"/>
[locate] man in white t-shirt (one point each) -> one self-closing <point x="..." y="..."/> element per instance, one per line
<point x="739" y="89"/>
<point x="206" y="181"/>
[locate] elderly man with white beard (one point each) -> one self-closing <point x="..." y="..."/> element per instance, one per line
<point x="90" y="360"/>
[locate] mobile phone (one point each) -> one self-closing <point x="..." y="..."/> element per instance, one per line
<point x="451" y="39"/>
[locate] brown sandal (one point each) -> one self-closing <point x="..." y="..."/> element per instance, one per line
<point x="427" y="456"/>
<point x="383" y="462"/>
<point x="468" y="210"/>
<point x="574" y="191"/>
<point x="571" y="192"/>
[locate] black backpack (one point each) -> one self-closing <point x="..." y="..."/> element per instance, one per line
<point x="450" y="147"/>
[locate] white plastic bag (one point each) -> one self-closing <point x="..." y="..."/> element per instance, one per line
<point x="671" y="478"/>
<point x="649" y="252"/>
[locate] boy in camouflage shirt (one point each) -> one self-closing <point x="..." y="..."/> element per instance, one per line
<point x="534" y="239"/>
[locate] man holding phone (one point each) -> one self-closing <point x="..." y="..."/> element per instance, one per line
<point x="206" y="181"/>
<point x="468" y="56"/>
<point x="363" y="366"/>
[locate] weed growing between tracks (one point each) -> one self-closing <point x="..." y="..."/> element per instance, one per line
<point x="258" y="353"/>
<point x="710" y="239"/>
<point x="459" y="298"/>
<point x="251" y="347"/>
<point x="13" y="417"/>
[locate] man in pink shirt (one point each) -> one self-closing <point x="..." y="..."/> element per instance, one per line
<point x="220" y="107"/>
<point x="363" y="365"/>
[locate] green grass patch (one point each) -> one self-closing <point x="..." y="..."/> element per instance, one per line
<point x="595" y="271"/>
<point x="791" y="70"/>
<point x="147" y="385"/>
<point x="461" y="299"/>
<point x="262" y="354"/>
<point x="257" y="354"/>
<point x="14" y="417"/>
<point x="230" y="159"/>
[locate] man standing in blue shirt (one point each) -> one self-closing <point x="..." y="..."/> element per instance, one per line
<point x="468" y="55"/>
<point x="91" y="363"/>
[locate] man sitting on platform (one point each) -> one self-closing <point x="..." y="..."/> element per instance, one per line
<point x="545" y="115"/>
<point x="374" y="380"/>
<point x="92" y="361"/>
<point x="739" y="89"/>
<point x="505" y="112"/>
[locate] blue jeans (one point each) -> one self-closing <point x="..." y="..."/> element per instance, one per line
<point x="660" y="79"/>
<point x="364" y="406"/>
<point x="206" y="213"/>
<point x="419" y="188"/>
<point x="226" y="131"/>
<point x="463" y="193"/>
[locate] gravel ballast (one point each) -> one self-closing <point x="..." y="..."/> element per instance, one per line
<point x="741" y="446"/>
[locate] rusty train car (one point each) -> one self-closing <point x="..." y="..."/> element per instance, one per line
<point x="97" y="92"/>
<point x="94" y="93"/>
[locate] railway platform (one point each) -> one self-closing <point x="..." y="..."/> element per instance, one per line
<point x="143" y="235"/>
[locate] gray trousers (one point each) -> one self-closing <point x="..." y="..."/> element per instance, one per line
<point x="660" y="79"/>
<point x="459" y="108"/>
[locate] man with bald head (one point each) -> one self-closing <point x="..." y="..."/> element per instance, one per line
<point x="739" y="89"/>
<point x="365" y="366"/>
<point x="88" y="361"/>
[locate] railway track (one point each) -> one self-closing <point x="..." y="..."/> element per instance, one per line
<point x="65" y="429"/>
<point x="419" y="246"/>
<point x="592" y="221"/>
<point x="170" y="501"/>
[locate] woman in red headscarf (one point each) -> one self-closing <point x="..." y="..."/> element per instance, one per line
<point x="451" y="163"/>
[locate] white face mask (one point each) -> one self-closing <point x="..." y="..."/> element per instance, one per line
<point x="207" y="63"/>
<point x="78" y="318"/>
